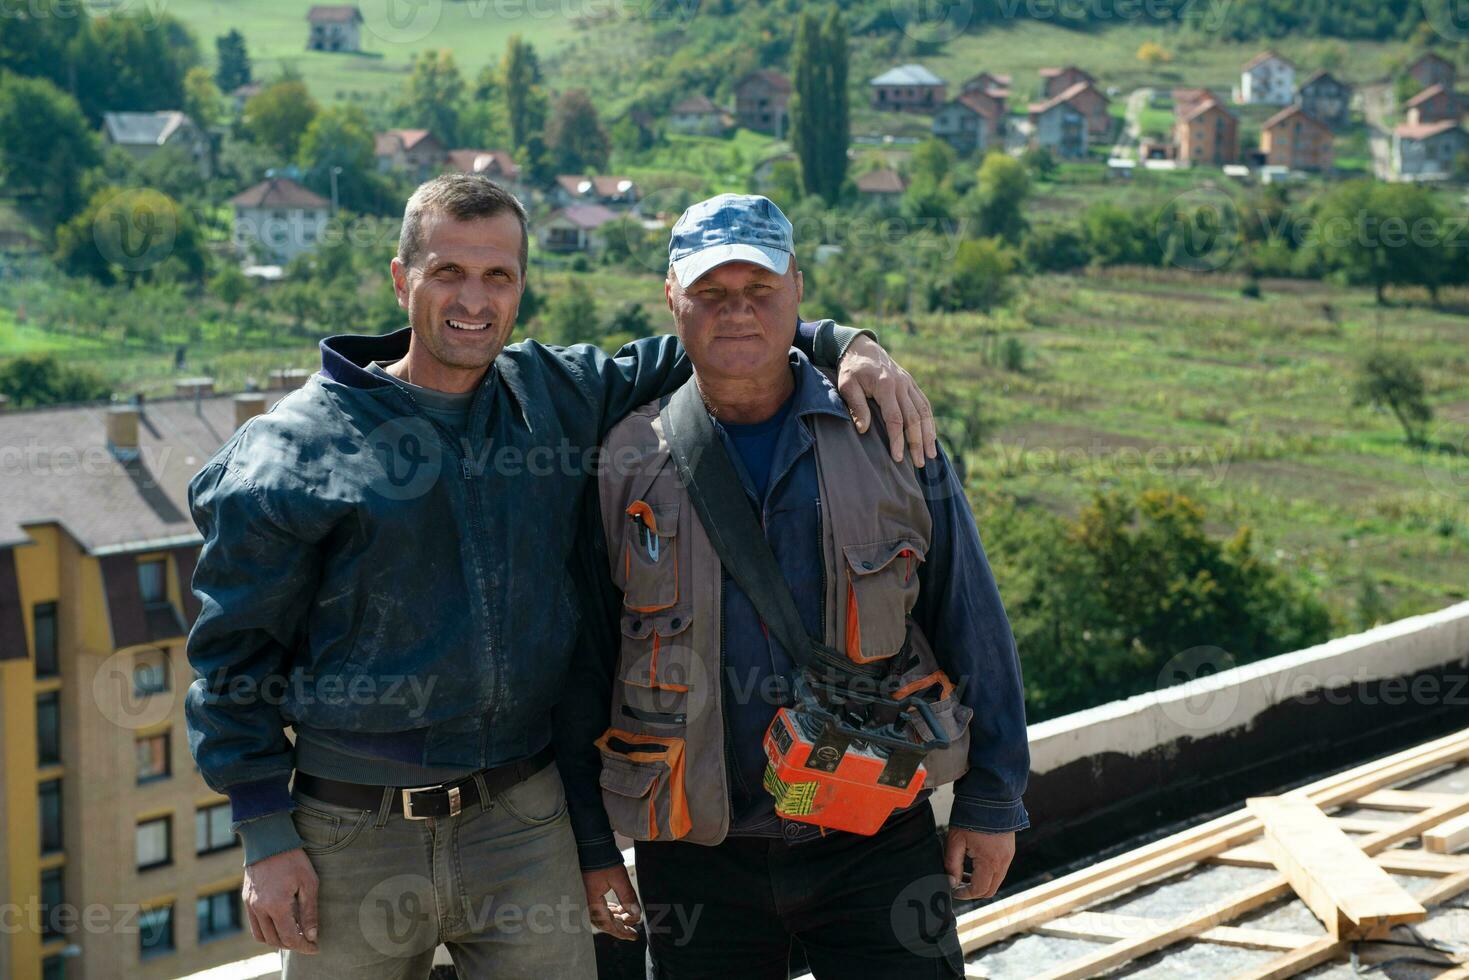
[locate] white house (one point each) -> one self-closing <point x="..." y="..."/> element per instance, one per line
<point x="141" y="134"/>
<point x="334" y="27"/>
<point x="278" y="219"/>
<point x="1267" y="79"/>
<point x="576" y="229"/>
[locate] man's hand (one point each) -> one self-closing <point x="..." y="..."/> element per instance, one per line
<point x="992" y="854"/>
<point x="617" y="918"/>
<point x="280" y="899"/>
<point x="866" y="371"/>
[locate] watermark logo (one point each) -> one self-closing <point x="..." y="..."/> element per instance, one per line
<point x="401" y="21"/>
<point x="932" y="21"/>
<point x="125" y="702"/>
<point x="407" y="458"/>
<point x="1199" y="230"/>
<point x="1450" y="18"/>
<point x="136" y="229"/>
<point x="922" y="917"/>
<point x="1205" y="710"/>
<point x="396" y="916"/>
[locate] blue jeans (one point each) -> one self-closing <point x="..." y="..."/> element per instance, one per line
<point x="499" y="885"/>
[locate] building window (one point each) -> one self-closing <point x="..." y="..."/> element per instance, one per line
<point x="150" y="673"/>
<point x="48" y="729"/>
<point x="155" y="843"/>
<point x="53" y="968"/>
<point x="153" y="582"/>
<point x="50" y="792"/>
<point x="51" y="898"/>
<point x="219" y="915"/>
<point x="155" y="932"/>
<point x="212" y="829"/>
<point x="44" y="615"/>
<point x="153" y="757"/>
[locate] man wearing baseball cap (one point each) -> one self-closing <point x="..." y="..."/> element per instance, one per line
<point x="687" y="662"/>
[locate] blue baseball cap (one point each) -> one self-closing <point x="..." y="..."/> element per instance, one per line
<point x="729" y="228"/>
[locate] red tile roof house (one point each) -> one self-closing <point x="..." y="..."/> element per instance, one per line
<point x="1433" y="69"/>
<point x="1206" y="132"/>
<point x="413" y="151"/>
<point x="612" y="191"/>
<point x="278" y="219"/>
<point x="576" y="229"/>
<point x="1093" y="104"/>
<point x="761" y="98"/>
<point x="908" y="88"/>
<point x="699" y="116"/>
<point x="1428" y="150"/>
<point x="880" y="184"/>
<point x="1292" y="138"/>
<point x="334" y="27"/>
<point x="1059" y="126"/>
<point x="973" y="121"/>
<point x="1054" y="81"/>
<point x="1433" y="104"/>
<point x="989" y="83"/>
<point x="494" y="164"/>
<point x="1267" y="79"/>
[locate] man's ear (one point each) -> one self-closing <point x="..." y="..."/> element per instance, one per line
<point x="668" y="291"/>
<point x="400" y="281"/>
<point x="800" y="286"/>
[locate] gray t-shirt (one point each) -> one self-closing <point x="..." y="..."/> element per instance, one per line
<point x="446" y="407"/>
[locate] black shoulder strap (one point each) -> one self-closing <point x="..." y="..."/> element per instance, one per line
<point x="738" y="539"/>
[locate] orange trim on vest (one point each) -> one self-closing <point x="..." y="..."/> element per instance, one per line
<point x="938" y="676"/>
<point x="672" y="755"/>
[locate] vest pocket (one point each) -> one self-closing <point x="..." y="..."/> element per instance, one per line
<point x="650" y="556"/>
<point x="882" y="586"/>
<point x="643" y="785"/>
<point x="655" y="651"/>
<point x="920" y="675"/>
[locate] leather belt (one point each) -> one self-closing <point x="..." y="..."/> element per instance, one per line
<point x="422" y="802"/>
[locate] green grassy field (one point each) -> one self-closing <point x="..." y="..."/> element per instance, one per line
<point x="475" y="30"/>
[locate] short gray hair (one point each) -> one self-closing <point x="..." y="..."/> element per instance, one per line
<point x="463" y="197"/>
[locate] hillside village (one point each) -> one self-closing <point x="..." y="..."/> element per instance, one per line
<point x="1295" y="119"/>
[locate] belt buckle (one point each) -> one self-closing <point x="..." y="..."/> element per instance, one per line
<point x="455" y="805"/>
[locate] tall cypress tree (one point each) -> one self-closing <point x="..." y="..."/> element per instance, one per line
<point x="818" y="106"/>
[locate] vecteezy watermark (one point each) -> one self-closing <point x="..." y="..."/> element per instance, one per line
<point x="146" y="11"/>
<point x="1208" y="15"/>
<point x="1206" y="462"/>
<point x="136" y="228"/>
<point x="337" y="690"/>
<point x="1198" y="710"/>
<point x="36" y="459"/>
<point x="922" y="917"/>
<point x="933" y="21"/>
<point x="1199" y="230"/>
<point x="1450" y="18"/>
<point x="66" y="919"/>
<point x="125" y="702"/>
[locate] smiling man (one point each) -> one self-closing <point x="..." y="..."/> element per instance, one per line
<point x="692" y="661"/>
<point x="384" y="572"/>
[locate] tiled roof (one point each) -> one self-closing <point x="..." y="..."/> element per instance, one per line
<point x="1202" y="106"/>
<point x="883" y="181"/>
<point x="1423" y="131"/>
<point x="581" y="185"/>
<point x="334" y="13"/>
<point x="1432" y="91"/>
<point x="1263" y="57"/>
<point x="770" y="77"/>
<point x="587" y="216"/>
<point x="983" y="103"/>
<point x="68" y="476"/>
<point x="278" y="192"/>
<point x="386" y="143"/>
<point x="491" y="163"/>
<point x="696" y="105"/>
<point x="1289" y="111"/>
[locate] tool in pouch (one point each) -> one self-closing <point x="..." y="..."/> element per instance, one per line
<point x="843" y="755"/>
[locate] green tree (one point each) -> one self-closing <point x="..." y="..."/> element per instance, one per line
<point x="575" y="139"/>
<point x="981" y="276"/>
<point x="122" y="62"/>
<point x="44" y="164"/>
<point x="131" y="234"/>
<point x="1393" y="381"/>
<point x="931" y="160"/>
<point x="229" y="285"/>
<point x="277" y="116"/>
<point x="996" y="204"/>
<point x="234" y="61"/>
<point x="570" y="316"/>
<point x="31" y="381"/>
<point x="341" y="137"/>
<point x="434" y="95"/>
<point x="525" y="99"/>
<point x="202" y="101"/>
<point x="819" y="110"/>
<point x="1381" y="235"/>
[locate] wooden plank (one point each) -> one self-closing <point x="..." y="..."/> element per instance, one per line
<point x="997" y="920"/>
<point x="1359" y="825"/>
<point x="1289" y="964"/>
<point x="1448" y="837"/>
<point x="1111" y="927"/>
<point x="1445" y="889"/>
<point x="1404" y="799"/>
<point x="1397" y="860"/>
<point x="1350" y="894"/>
